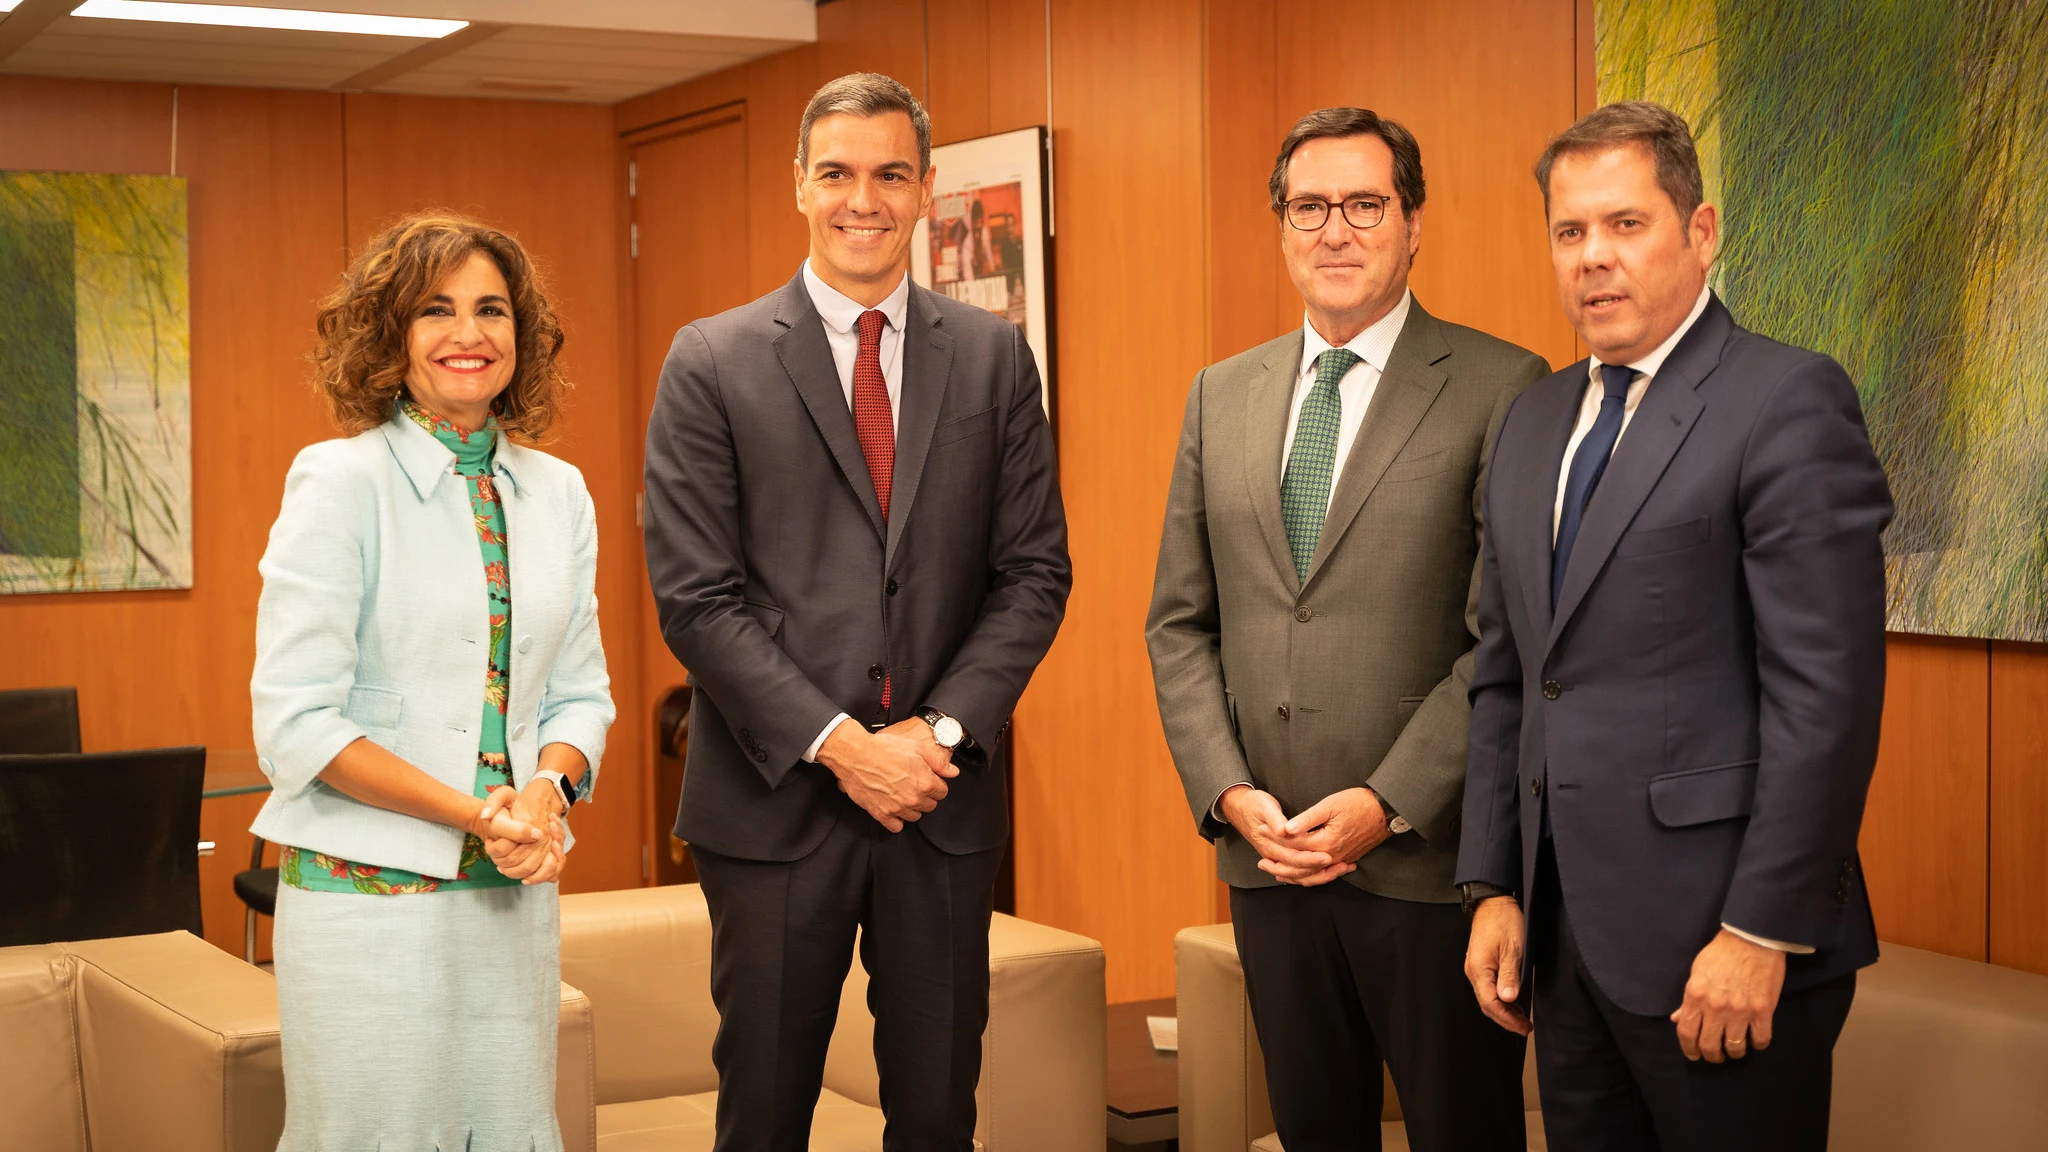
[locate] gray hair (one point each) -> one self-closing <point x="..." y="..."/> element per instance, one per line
<point x="1342" y="123"/>
<point x="1657" y="129"/>
<point x="864" y="94"/>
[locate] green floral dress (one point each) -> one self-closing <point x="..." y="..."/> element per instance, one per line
<point x="319" y="872"/>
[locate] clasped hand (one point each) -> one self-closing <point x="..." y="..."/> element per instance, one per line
<point x="522" y="832"/>
<point x="1318" y="845"/>
<point x="895" y="775"/>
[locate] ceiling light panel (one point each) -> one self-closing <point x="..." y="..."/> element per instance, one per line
<point x="288" y="19"/>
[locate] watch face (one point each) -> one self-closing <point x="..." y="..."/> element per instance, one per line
<point x="947" y="732"/>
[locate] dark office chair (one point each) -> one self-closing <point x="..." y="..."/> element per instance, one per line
<point x="258" y="889"/>
<point x="105" y="844"/>
<point x="38" y="720"/>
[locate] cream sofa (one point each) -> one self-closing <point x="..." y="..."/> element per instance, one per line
<point x="1938" y="1053"/>
<point x="643" y="957"/>
<point x="165" y="1043"/>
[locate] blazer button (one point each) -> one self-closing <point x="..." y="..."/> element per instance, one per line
<point x="1283" y="711"/>
<point x="760" y="755"/>
<point x="1302" y="614"/>
<point x="526" y="643"/>
<point x="874" y="671"/>
<point x="518" y="730"/>
<point x="1552" y="689"/>
<point x="890" y="587"/>
<point x="1536" y="786"/>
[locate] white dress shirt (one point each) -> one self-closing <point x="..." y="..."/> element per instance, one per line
<point x="841" y="314"/>
<point x="1354" y="391"/>
<point x="1589" y="410"/>
<point x="1354" y="394"/>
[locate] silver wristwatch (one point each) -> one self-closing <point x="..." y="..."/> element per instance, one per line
<point x="946" y="731"/>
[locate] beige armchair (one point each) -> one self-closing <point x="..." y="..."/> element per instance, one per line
<point x="643" y="957"/>
<point x="1938" y="1053"/>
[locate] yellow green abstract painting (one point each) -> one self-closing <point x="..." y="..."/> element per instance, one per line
<point x="95" y="383"/>
<point x="1882" y="175"/>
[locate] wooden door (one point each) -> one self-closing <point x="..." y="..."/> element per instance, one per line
<point x="688" y="185"/>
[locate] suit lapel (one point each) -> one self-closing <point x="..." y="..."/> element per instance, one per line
<point x="807" y="358"/>
<point x="1554" y="415"/>
<point x="1662" y="421"/>
<point x="1267" y="402"/>
<point x="927" y="364"/>
<point x="1406" y="390"/>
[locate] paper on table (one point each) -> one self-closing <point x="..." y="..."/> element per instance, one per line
<point x="1165" y="1032"/>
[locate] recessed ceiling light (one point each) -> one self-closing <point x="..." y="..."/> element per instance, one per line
<point x="236" y="16"/>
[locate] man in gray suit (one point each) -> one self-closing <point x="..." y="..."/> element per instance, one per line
<point x="1676" y="696"/>
<point x="857" y="547"/>
<point x="1311" y="643"/>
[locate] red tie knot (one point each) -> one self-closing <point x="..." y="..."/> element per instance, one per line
<point x="870" y="326"/>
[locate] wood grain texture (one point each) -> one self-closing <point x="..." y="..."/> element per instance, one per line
<point x="1248" y="285"/>
<point x="1484" y="86"/>
<point x="685" y="272"/>
<point x="2019" y="806"/>
<point x="84" y="125"/>
<point x="546" y="173"/>
<point x="957" y="59"/>
<point x="1924" y="839"/>
<point x="1018" y="64"/>
<point x="1104" y="843"/>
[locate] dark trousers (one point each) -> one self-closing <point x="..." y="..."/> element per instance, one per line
<point x="1613" y="1081"/>
<point x="782" y="937"/>
<point x="1340" y="980"/>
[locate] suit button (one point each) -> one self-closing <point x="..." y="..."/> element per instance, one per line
<point x="890" y="587"/>
<point x="1283" y="711"/>
<point x="1552" y="689"/>
<point x="518" y="730"/>
<point x="1302" y="614"/>
<point x="760" y="755"/>
<point x="874" y="671"/>
<point x="1536" y="786"/>
<point x="526" y="643"/>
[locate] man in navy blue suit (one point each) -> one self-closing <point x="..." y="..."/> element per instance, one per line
<point x="1677" y="687"/>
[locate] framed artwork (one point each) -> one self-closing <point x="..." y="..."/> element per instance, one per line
<point x="986" y="241"/>
<point x="95" y="384"/>
<point x="1883" y="186"/>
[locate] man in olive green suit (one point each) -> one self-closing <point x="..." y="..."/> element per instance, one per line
<point x="1311" y="634"/>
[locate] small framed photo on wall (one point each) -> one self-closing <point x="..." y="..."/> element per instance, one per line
<point x="986" y="241"/>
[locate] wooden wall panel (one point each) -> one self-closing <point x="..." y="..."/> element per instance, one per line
<point x="1484" y="86"/>
<point x="85" y="125"/>
<point x="1104" y="843"/>
<point x="2019" y="806"/>
<point x="1924" y="839"/>
<point x="957" y="59"/>
<point x="1247" y="281"/>
<point x="1019" y="64"/>
<point x="545" y="172"/>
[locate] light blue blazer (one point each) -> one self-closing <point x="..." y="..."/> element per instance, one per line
<point x="373" y="623"/>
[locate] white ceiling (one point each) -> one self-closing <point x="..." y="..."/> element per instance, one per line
<point x="587" y="51"/>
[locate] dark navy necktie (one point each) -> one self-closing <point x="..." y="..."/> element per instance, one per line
<point x="1588" y="463"/>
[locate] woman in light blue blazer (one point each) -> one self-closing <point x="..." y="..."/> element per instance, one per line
<point x="430" y="700"/>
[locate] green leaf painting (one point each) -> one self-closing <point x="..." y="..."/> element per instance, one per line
<point x="1883" y="184"/>
<point x="95" y="384"/>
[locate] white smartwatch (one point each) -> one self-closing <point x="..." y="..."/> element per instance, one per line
<point x="561" y="784"/>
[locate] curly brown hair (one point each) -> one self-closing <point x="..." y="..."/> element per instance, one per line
<point x="364" y="324"/>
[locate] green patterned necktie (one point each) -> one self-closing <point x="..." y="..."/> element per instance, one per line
<point x="1305" y="489"/>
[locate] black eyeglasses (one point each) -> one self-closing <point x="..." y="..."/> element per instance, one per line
<point x="1310" y="213"/>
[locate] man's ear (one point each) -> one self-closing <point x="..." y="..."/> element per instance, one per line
<point x="1704" y="230"/>
<point x="797" y="166"/>
<point x="924" y="207"/>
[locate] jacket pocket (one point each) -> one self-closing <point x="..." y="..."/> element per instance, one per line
<point x="1407" y="705"/>
<point x="375" y="710"/>
<point x="768" y="616"/>
<point x="1420" y="468"/>
<point x="1703" y="795"/>
<point x="1672" y="538"/>
<point x="964" y="427"/>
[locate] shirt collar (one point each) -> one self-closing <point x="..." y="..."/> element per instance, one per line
<point x="1655" y="358"/>
<point x="424" y="459"/>
<point x="1374" y="345"/>
<point x="840" y="311"/>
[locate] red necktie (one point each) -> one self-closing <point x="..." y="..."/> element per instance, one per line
<point x="873" y="424"/>
<point x="871" y="420"/>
